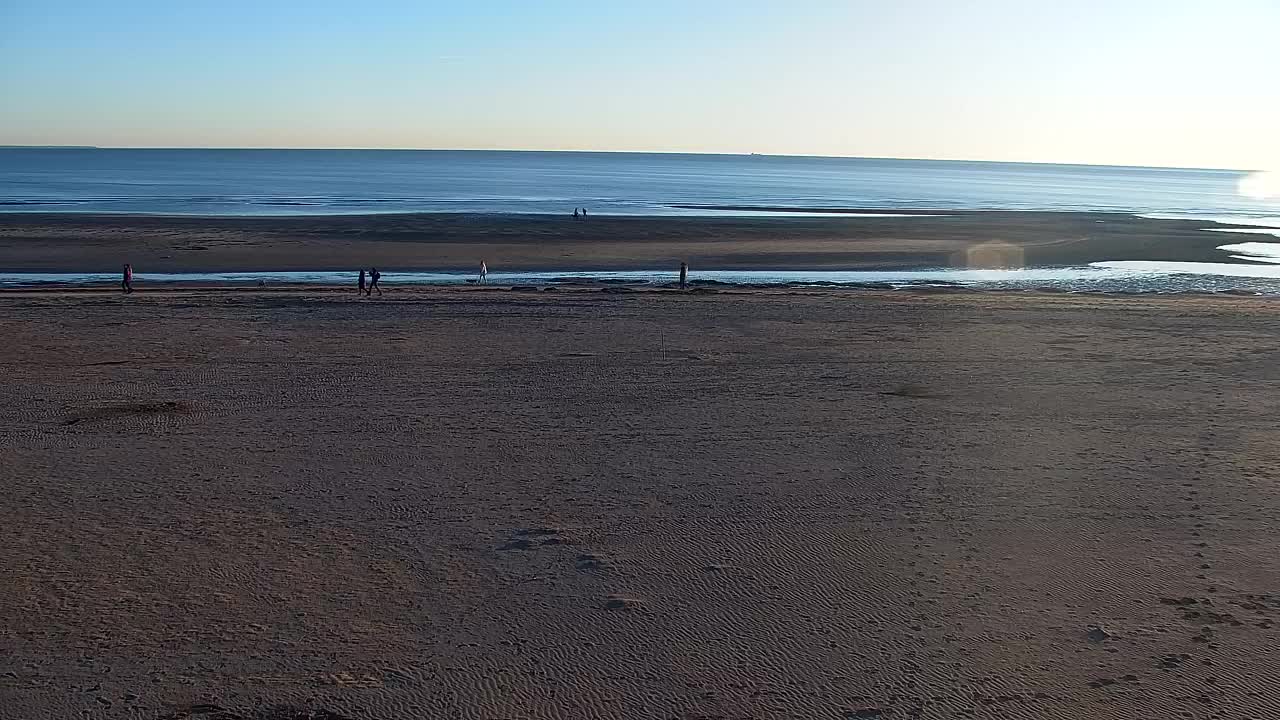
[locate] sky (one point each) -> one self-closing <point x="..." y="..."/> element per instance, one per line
<point x="1188" y="83"/>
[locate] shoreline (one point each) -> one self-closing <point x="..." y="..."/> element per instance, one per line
<point x="56" y="242"/>
<point x="411" y="293"/>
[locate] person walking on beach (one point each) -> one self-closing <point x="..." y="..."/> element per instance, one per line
<point x="373" y="281"/>
<point x="684" y="275"/>
<point x="126" y="279"/>
<point x="484" y="271"/>
<point x="584" y="213"/>
<point x="361" y="290"/>
<point x="575" y="213"/>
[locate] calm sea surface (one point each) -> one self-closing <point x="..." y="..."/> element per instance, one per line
<point x="290" y="182"/>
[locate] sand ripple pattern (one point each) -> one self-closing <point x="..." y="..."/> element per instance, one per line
<point x="746" y="505"/>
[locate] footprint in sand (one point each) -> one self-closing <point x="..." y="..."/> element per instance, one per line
<point x="1107" y="682"/>
<point x="529" y="537"/>
<point x="124" y="410"/>
<point x="1210" y="617"/>
<point x="347" y="679"/>
<point x="204" y="711"/>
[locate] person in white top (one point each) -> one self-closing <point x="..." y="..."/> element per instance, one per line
<point x="484" y="270"/>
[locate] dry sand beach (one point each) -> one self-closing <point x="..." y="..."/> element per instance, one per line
<point x="477" y="503"/>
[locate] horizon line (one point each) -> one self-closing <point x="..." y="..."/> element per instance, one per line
<point x="623" y="152"/>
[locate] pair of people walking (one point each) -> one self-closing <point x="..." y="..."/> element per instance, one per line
<point x="373" y="276"/>
<point x="576" y="215"/>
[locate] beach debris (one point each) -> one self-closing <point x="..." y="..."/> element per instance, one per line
<point x="625" y="604"/>
<point x="1098" y="634"/>
<point x="913" y="391"/>
<point x="591" y="562"/>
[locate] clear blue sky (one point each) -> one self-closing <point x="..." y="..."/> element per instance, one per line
<point x="1156" y="82"/>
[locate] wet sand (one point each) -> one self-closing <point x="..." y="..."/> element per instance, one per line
<point x="476" y="503"/>
<point x="89" y="243"/>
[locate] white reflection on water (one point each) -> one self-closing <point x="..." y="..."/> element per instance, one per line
<point x="1266" y="221"/>
<point x="1163" y="267"/>
<point x="1247" y="231"/>
<point x="1255" y="251"/>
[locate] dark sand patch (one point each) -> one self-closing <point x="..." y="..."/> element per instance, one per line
<point x="48" y="242"/>
<point x="125" y="410"/>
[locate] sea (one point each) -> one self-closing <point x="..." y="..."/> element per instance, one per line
<point x="320" y="182"/>
<point x="204" y="182"/>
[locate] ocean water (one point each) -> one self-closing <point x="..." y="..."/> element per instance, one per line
<point x="291" y="182"/>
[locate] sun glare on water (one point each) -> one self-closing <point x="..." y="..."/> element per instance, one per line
<point x="1263" y="185"/>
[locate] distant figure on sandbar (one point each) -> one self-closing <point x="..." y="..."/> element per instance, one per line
<point x="584" y="212"/>
<point x="575" y="213"/>
<point x="361" y="290"/>
<point x="374" y="275"/>
<point x="684" y="275"/>
<point x="484" y="271"/>
<point x="126" y="279"/>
